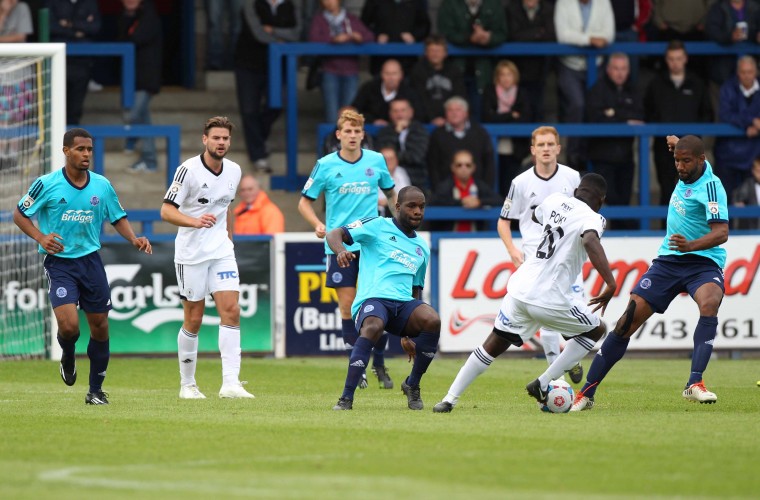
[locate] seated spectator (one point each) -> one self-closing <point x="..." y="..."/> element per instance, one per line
<point x="729" y="22"/>
<point x="739" y="105"/>
<point x="462" y="189"/>
<point x="331" y="143"/>
<point x="340" y="75"/>
<point x="435" y="79"/>
<point x="587" y="24"/>
<point x="505" y="102"/>
<point x="410" y="138"/>
<point x="396" y="21"/>
<point x="475" y="24"/>
<point x="532" y="21"/>
<point x="399" y="175"/>
<point x="459" y="133"/>
<point x="15" y="21"/>
<point x="747" y="195"/>
<point x="256" y="213"/>
<point x="676" y="95"/>
<point x="615" y="101"/>
<point x="375" y="95"/>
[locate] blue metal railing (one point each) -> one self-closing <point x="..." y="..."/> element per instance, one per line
<point x="289" y="53"/>
<point x="125" y="51"/>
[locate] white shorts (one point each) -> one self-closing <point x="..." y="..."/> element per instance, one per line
<point x="198" y="280"/>
<point x="525" y="319"/>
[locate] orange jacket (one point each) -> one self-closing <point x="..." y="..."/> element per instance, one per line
<point x="260" y="217"/>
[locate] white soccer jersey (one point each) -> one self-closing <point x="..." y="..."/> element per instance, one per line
<point x="547" y="279"/>
<point x="527" y="191"/>
<point x="195" y="191"/>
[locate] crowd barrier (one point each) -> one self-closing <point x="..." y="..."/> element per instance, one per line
<point x="124" y="51"/>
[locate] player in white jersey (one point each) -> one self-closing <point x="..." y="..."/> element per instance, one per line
<point x="199" y="201"/>
<point x="527" y="191"/>
<point x="540" y="291"/>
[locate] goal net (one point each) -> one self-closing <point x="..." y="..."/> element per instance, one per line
<point x="31" y="125"/>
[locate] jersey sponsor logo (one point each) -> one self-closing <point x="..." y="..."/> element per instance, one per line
<point x="337" y="277"/>
<point x="204" y="186"/>
<point x="404" y="260"/>
<point x="645" y="283"/>
<point x="678" y="206"/>
<point x="339" y="176"/>
<point x="94" y="201"/>
<point x="369" y="172"/>
<point x="712" y="206"/>
<point x="61" y="292"/>
<point x="62" y="202"/>
<point x="81" y="216"/>
<point x="532" y="195"/>
<point x="202" y="201"/>
<point x="223" y="275"/>
<point x="28" y="202"/>
<point x="308" y="184"/>
<point x="362" y="188"/>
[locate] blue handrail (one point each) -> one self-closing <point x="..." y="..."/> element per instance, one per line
<point x="124" y="50"/>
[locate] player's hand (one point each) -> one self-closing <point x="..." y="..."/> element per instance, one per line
<point x="518" y="258"/>
<point x="680" y="243"/>
<point x="52" y="243"/>
<point x="320" y="231"/>
<point x="344" y="258"/>
<point x="602" y="299"/>
<point x="410" y="348"/>
<point x="205" y="220"/>
<point x="143" y="245"/>
<point x="672" y="140"/>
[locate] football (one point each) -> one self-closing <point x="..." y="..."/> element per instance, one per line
<point x="560" y="397"/>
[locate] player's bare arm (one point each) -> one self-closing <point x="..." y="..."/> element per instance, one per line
<point x="172" y="215"/>
<point x="718" y="235"/>
<point x="51" y="242"/>
<point x="306" y="209"/>
<point x="335" y="240"/>
<point x="598" y="259"/>
<point x="124" y="228"/>
<point x="504" y="228"/>
<point x="392" y="198"/>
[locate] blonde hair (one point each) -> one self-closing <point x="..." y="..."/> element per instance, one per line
<point x="506" y="64"/>
<point x="351" y="116"/>
<point x="545" y="129"/>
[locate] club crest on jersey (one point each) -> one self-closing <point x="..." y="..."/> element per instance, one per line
<point x="61" y="292"/>
<point x="28" y="202"/>
<point x="688" y="193"/>
<point x="94" y="201"/>
<point x="369" y="172"/>
<point x="231" y="186"/>
<point x="337" y="278"/>
<point x="646" y="283"/>
<point x="712" y="206"/>
<point x="174" y="189"/>
<point x="419" y="251"/>
<point x="369" y="308"/>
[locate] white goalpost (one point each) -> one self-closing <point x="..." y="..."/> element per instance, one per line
<point x="32" y="124"/>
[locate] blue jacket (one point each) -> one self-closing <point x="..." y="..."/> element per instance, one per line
<point x="737" y="152"/>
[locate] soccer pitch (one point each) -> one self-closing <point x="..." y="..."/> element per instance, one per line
<point x="641" y="439"/>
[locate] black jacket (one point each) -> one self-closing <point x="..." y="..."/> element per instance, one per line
<point x="393" y="17"/>
<point x="444" y="143"/>
<point x="369" y="100"/>
<point x="433" y="88"/>
<point x="443" y="196"/>
<point x="746" y="194"/>
<point x="414" y="154"/>
<point x="143" y="29"/>
<point x="606" y="103"/>
<point x="522" y="29"/>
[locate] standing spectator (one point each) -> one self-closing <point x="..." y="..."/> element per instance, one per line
<point x="505" y="102"/>
<point x="265" y="22"/>
<point x="615" y="101"/>
<point x="462" y="189"/>
<point x="532" y="21"/>
<point x="747" y="195"/>
<point x="586" y="23"/>
<point x="729" y="22"/>
<point x="680" y="19"/>
<point x="399" y="176"/>
<point x="340" y="75"/>
<point x="629" y="15"/>
<point x="405" y="21"/>
<point x="374" y="96"/>
<point x="15" y="21"/>
<point x="473" y="24"/>
<point x="256" y="213"/>
<point x="460" y="133"/>
<point x="218" y="50"/>
<point x="139" y="24"/>
<point x="410" y="138"/>
<point x="435" y="79"/>
<point x="676" y="95"/>
<point x="75" y="21"/>
<point x="739" y="105"/>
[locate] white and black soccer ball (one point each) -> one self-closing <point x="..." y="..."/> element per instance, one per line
<point x="560" y="397"/>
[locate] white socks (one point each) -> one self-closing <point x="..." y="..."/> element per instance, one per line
<point x="229" y="348"/>
<point x="187" y="352"/>
<point x="476" y="364"/>
<point x="575" y="349"/>
<point x="550" y="341"/>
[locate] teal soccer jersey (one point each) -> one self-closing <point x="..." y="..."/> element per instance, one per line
<point x="76" y="214"/>
<point x="392" y="262"/>
<point x="693" y="207"/>
<point x="351" y="189"/>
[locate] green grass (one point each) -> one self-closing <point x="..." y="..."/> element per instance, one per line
<point x="641" y="440"/>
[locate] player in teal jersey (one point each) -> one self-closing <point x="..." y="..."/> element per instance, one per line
<point x="71" y="205"/>
<point x="350" y="179"/>
<point x="390" y="286"/>
<point x="690" y="259"/>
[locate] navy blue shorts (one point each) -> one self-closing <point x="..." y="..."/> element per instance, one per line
<point x="666" y="279"/>
<point x="79" y="281"/>
<point x="394" y="313"/>
<point x="341" y="277"/>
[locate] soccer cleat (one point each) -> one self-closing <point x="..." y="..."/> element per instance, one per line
<point x="698" y="392"/>
<point x="582" y="402"/>
<point x="68" y="369"/>
<point x="344" y="404"/>
<point x="190" y="392"/>
<point x="363" y="384"/>
<point x="576" y="373"/>
<point x="443" y="407"/>
<point x="235" y="391"/>
<point x="382" y="376"/>
<point x="96" y="398"/>
<point x="414" y="401"/>
<point x="534" y="389"/>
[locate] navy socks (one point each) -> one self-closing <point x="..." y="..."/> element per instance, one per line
<point x="357" y="363"/>
<point x="378" y="353"/>
<point x="612" y="350"/>
<point x="348" y="328"/>
<point x="427" y="346"/>
<point x="99" y="354"/>
<point x="704" y="336"/>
